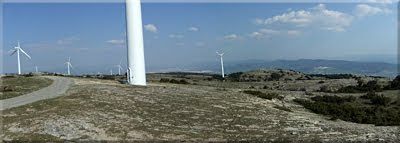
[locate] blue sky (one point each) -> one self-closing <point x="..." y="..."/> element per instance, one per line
<point x="178" y="34"/>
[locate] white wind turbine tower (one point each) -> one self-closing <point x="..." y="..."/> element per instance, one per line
<point x="17" y="50"/>
<point x="69" y="65"/>
<point x="136" y="66"/>
<point x="111" y="72"/>
<point x="36" y="69"/>
<point x="222" y="64"/>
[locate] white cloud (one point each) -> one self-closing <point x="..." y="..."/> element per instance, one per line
<point x="200" y="44"/>
<point x="256" y="35"/>
<point x="318" y="16"/>
<point x="293" y="32"/>
<point x="151" y="28"/>
<point x="68" y="40"/>
<point x="258" y="21"/>
<point x="176" y="36"/>
<point x="269" y="31"/>
<point x="116" y="41"/>
<point x="383" y="1"/>
<point x="180" y="44"/>
<point x="363" y="10"/>
<point x="266" y="33"/>
<point x="194" y="29"/>
<point x="231" y="37"/>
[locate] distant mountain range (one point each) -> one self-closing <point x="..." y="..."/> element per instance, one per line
<point x="307" y="66"/>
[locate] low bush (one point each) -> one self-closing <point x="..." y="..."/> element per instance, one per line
<point x="395" y="84"/>
<point x="164" y="80"/>
<point x="381" y="100"/>
<point x="334" y="76"/>
<point x="235" y="77"/>
<point x="174" y="81"/>
<point x="362" y="88"/>
<point x="6" y="89"/>
<point x="334" y="99"/>
<point x="260" y="94"/>
<point x="353" y="111"/>
<point x="369" y="95"/>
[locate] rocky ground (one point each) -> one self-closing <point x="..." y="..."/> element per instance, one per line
<point x="203" y="110"/>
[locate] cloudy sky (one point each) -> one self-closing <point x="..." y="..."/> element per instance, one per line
<point x="178" y="34"/>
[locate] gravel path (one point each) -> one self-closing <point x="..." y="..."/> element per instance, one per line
<point x="59" y="86"/>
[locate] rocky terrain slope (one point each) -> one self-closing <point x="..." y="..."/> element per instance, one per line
<point x="175" y="107"/>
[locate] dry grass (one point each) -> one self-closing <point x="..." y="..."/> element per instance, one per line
<point x="20" y="85"/>
<point x="202" y="111"/>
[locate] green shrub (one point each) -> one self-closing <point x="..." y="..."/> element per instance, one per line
<point x="362" y="88"/>
<point x="333" y="99"/>
<point x="235" y="77"/>
<point x="164" y="80"/>
<point x="260" y="94"/>
<point x="7" y="89"/>
<point x="334" y="76"/>
<point x="381" y="100"/>
<point x="369" y="95"/>
<point x="276" y="76"/>
<point x="353" y="111"/>
<point x="174" y="81"/>
<point x="395" y="84"/>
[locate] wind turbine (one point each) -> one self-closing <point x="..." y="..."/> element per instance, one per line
<point x="119" y="67"/>
<point x="222" y="64"/>
<point x="136" y="66"/>
<point x="69" y="65"/>
<point x="36" y="68"/>
<point x="111" y="72"/>
<point x="17" y="50"/>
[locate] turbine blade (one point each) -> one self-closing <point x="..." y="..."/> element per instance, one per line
<point x="13" y="52"/>
<point x="70" y="65"/>
<point x="25" y="53"/>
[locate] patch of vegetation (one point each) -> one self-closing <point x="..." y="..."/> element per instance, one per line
<point x="19" y="85"/>
<point x="334" y="99"/>
<point x="394" y="85"/>
<point x="174" y="81"/>
<point x="377" y="99"/>
<point x="362" y="88"/>
<point x="263" y="95"/>
<point x="345" y="108"/>
<point x="276" y="76"/>
<point x="334" y="76"/>
<point x="283" y="108"/>
<point x="235" y="77"/>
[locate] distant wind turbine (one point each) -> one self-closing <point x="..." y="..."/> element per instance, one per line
<point x="111" y="72"/>
<point x="36" y="69"/>
<point x="17" y="50"/>
<point x="222" y="64"/>
<point x="119" y="67"/>
<point x="69" y="65"/>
